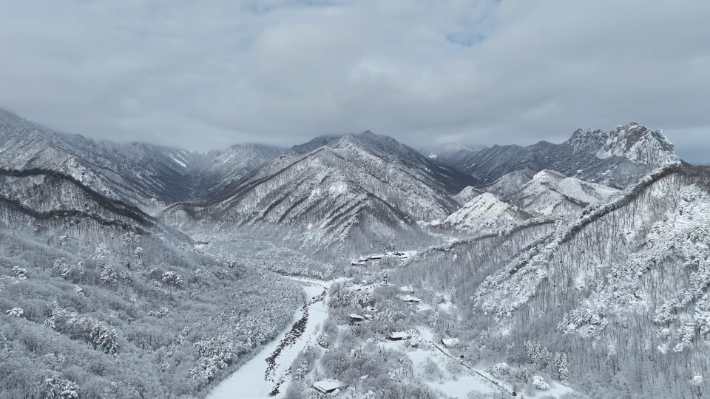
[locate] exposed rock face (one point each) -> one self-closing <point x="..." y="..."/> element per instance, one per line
<point x="553" y="194"/>
<point x="617" y="158"/>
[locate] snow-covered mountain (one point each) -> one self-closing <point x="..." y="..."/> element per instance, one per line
<point x="632" y="141"/>
<point x="552" y="194"/>
<point x="593" y="291"/>
<point x="585" y="264"/>
<point x="230" y="165"/>
<point x="143" y="174"/>
<point x="365" y="185"/>
<point x="484" y="212"/>
<point x="86" y="280"/>
<point x="60" y="199"/>
<point x="444" y="153"/>
<point x="467" y="194"/>
<point x="617" y="158"/>
<point x="510" y="183"/>
<point x="312" y="145"/>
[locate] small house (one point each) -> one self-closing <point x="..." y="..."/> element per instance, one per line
<point x="355" y="318"/>
<point x="362" y="260"/>
<point x="368" y="316"/>
<point x="328" y="386"/>
<point x="409" y="298"/>
<point x="398" y="336"/>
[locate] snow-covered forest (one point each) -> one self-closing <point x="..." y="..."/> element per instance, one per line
<point x="96" y="305"/>
<point x="352" y="267"/>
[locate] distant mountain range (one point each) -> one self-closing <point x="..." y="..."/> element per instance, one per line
<point x="335" y="187"/>
<point x="592" y="254"/>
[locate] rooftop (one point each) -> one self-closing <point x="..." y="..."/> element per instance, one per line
<point x="328" y="385"/>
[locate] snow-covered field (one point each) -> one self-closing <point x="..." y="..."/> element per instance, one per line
<point x="266" y="375"/>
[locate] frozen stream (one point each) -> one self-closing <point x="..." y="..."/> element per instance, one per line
<point x="266" y="375"/>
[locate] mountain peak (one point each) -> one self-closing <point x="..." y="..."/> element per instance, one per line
<point x="311" y="145"/>
<point x="631" y="140"/>
<point x="484" y="212"/>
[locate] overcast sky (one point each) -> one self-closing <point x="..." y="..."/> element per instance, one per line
<point x="207" y="74"/>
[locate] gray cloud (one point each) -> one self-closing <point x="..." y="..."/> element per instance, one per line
<point x="208" y="74"/>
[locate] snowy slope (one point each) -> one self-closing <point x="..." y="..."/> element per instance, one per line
<point x="551" y="194"/>
<point x="510" y="183"/>
<point x="467" y="194"/>
<point x="593" y="292"/>
<point x="143" y="174"/>
<point x="365" y="184"/>
<point x="225" y="167"/>
<point x="485" y="212"/>
<point x="443" y="153"/>
<point x="47" y="195"/>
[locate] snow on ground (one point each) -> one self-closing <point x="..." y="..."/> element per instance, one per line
<point x="460" y="387"/>
<point x="424" y="306"/>
<point x="556" y="390"/>
<point x="470" y="379"/>
<point x="269" y="369"/>
<point x="457" y="386"/>
<point x="425" y="333"/>
<point x="446" y="306"/>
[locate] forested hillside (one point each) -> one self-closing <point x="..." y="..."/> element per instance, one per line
<point x="619" y="292"/>
<point x="358" y="192"/>
<point x="563" y="271"/>
<point x="97" y="299"/>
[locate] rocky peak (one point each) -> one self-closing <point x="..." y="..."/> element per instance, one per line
<point x="632" y="141"/>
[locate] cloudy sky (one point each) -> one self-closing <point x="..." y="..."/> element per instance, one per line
<point x="207" y="74"/>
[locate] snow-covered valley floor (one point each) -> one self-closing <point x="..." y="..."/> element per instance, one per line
<point x="267" y="374"/>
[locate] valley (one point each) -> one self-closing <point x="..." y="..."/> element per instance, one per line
<point x="352" y="267"/>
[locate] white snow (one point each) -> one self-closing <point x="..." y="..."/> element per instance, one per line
<point x="399" y="335"/>
<point x="179" y="162"/>
<point x="328" y="385"/>
<point x="409" y="298"/>
<point x="460" y="387"/>
<point x="249" y="380"/>
<point x="423" y="307"/>
<point x="467" y="194"/>
<point x="456" y="386"/>
<point x="484" y="211"/>
<point x="550" y="193"/>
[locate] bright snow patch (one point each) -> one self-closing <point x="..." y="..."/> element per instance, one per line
<point x="484" y="211"/>
<point x="179" y="162"/>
